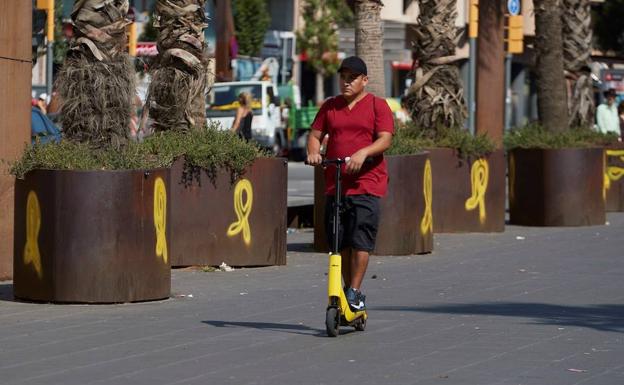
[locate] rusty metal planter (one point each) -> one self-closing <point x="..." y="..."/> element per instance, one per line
<point x="614" y="178"/>
<point x="241" y="223"/>
<point x="92" y="236"/>
<point x="562" y="187"/>
<point x="468" y="195"/>
<point x="403" y="225"/>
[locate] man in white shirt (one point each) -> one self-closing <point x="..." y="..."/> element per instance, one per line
<point x="607" y="116"/>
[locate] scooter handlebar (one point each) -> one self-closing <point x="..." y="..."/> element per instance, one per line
<point x="327" y="162"/>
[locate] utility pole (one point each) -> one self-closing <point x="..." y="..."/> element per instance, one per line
<point x="514" y="44"/>
<point x="473" y="33"/>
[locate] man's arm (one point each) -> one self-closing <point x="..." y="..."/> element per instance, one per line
<point x="381" y="144"/>
<point x="314" y="147"/>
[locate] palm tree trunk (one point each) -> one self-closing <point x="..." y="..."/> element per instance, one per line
<point x="436" y="97"/>
<point x="551" y="91"/>
<point x="577" y="38"/>
<point x="96" y="85"/>
<point x="176" y="93"/>
<point x="368" y="39"/>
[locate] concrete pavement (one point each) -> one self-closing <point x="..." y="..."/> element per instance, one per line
<point x="531" y="306"/>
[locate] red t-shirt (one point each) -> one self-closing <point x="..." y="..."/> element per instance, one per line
<point x="350" y="131"/>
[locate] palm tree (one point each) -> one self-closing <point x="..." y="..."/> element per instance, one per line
<point x="577" y="39"/>
<point x="436" y="98"/>
<point x="368" y="39"/>
<point x="551" y="92"/>
<point x="96" y="84"/>
<point x="176" y="93"/>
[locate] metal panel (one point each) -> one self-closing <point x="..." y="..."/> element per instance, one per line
<point x="92" y="236"/>
<point x="458" y="206"/>
<point x="203" y="215"/>
<point x="15" y="29"/>
<point x="402" y="209"/>
<point x="614" y="178"/>
<point x="556" y="187"/>
<point x="15" y="73"/>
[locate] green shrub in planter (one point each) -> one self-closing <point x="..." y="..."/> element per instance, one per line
<point x="466" y="144"/>
<point x="536" y="136"/>
<point x="209" y="149"/>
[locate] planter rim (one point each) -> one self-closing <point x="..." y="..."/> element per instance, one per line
<point x="558" y="149"/>
<point x="421" y="153"/>
<point x="98" y="171"/>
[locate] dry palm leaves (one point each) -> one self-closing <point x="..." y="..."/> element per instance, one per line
<point x="176" y="93"/>
<point x="436" y="96"/>
<point x="577" y="37"/>
<point x="96" y="83"/>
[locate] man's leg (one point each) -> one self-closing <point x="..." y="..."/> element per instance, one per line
<point x="359" y="263"/>
<point x="346" y="255"/>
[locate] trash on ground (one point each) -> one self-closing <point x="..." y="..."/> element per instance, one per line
<point x="577" y="370"/>
<point x="520" y="238"/>
<point x="224" y="267"/>
<point x="184" y="296"/>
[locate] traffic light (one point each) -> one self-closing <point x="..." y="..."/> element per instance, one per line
<point x="132" y="32"/>
<point x="473" y="19"/>
<point x="515" y="34"/>
<point x="48" y="6"/>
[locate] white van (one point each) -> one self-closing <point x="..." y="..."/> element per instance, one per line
<point x="266" y="126"/>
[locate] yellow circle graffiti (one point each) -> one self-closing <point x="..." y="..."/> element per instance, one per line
<point x="426" y="225"/>
<point x="242" y="210"/>
<point x="479" y="176"/>
<point x="160" y="218"/>
<point x="33" y="225"/>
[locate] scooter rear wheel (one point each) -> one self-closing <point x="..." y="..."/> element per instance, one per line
<point x="332" y="321"/>
<point x="360" y="324"/>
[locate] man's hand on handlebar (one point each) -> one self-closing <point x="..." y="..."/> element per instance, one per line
<point x="355" y="162"/>
<point x="314" y="159"/>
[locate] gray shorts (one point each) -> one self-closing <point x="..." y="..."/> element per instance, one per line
<point x="359" y="220"/>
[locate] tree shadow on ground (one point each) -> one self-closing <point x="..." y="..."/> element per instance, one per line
<point x="271" y="326"/>
<point x="605" y="317"/>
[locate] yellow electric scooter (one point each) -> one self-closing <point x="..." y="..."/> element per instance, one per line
<point x="338" y="312"/>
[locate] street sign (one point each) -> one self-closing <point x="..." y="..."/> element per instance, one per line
<point x="513" y="6"/>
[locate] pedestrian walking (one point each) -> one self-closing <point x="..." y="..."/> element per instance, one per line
<point x="607" y="117"/>
<point x="244" y="116"/>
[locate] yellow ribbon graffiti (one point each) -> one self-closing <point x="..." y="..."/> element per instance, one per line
<point x="614" y="172"/>
<point x="426" y="225"/>
<point x="242" y="209"/>
<point x="160" y="218"/>
<point x="479" y="176"/>
<point x="33" y="224"/>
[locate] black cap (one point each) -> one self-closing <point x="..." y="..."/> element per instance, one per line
<point x="355" y="64"/>
<point x="610" y="92"/>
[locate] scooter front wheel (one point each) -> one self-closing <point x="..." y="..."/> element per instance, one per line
<point x="332" y="321"/>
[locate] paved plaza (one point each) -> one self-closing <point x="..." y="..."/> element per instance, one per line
<point x="531" y="306"/>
